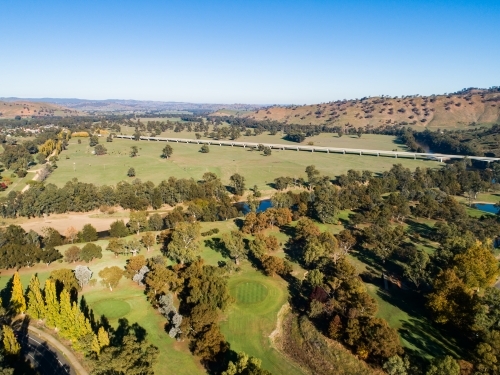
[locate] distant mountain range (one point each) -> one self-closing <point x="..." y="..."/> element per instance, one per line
<point x="119" y="105"/>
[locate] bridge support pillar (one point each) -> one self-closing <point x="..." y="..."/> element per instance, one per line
<point x="312" y="150"/>
<point x="343" y="152"/>
<point x="415" y="157"/>
<point x="360" y="153"/>
<point x="327" y="151"/>
<point x="440" y="160"/>
<point x="378" y="153"/>
<point x="396" y="156"/>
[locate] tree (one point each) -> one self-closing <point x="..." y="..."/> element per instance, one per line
<point x="204" y="149"/>
<point x="72" y="254"/>
<point x="83" y="274"/>
<point x="167" y="151"/>
<point x="395" y="365"/>
<point x="40" y="158"/>
<point x="233" y="241"/>
<point x="134" y="246"/>
<point x="51" y="237"/>
<point x="90" y="251"/>
<point x="477" y="266"/>
<point x="210" y="343"/>
<point x="66" y="278"/>
<point x="148" y="239"/>
<point x="17" y="300"/>
<point x="444" y="366"/>
<point x="130" y="356"/>
<point x="131" y="172"/>
<point x="133" y="151"/>
<point x="245" y="365"/>
<point x="267" y="151"/>
<point x="118" y="229"/>
<point x="383" y="241"/>
<point x="415" y="269"/>
<point x="346" y="240"/>
<point x="10" y="344"/>
<point x="138" y="221"/>
<point x="36" y="304"/>
<point x="184" y="246"/>
<point x="116" y="245"/>
<point x="71" y="234"/>
<point x="155" y="222"/>
<point x="451" y="301"/>
<point x="51" y="304"/>
<point x="93" y="140"/>
<point x="312" y="175"/>
<point x="87" y="234"/>
<point x="134" y="264"/>
<point x="379" y="340"/>
<point x="103" y="337"/>
<point x="110" y="276"/>
<point x="237" y="182"/>
<point x="100" y="150"/>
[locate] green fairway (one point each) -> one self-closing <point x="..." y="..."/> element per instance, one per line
<point x="253" y="317"/>
<point x="249" y="292"/>
<point x="112" y="308"/>
<point x="176" y="354"/>
<point x="187" y="162"/>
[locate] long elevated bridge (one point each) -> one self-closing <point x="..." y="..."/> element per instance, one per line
<point x="336" y="150"/>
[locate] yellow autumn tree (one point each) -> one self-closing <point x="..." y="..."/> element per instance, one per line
<point x="103" y="337"/>
<point x="17" y="300"/>
<point x="65" y="319"/>
<point x="36" y="305"/>
<point x="51" y="304"/>
<point x="477" y="266"/>
<point x="10" y="344"/>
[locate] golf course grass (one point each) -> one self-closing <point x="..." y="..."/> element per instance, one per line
<point x="249" y="292"/>
<point x="253" y="317"/>
<point x="111" y="308"/>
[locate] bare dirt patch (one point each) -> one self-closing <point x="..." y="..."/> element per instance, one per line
<point x="61" y="222"/>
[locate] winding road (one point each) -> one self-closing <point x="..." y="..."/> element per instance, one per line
<point x="47" y="355"/>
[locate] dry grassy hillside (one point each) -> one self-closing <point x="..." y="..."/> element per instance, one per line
<point x="454" y="110"/>
<point x="29" y="109"/>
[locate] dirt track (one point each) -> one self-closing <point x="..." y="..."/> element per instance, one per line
<point x="61" y="222"/>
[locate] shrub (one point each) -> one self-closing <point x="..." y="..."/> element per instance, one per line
<point x="210" y="232"/>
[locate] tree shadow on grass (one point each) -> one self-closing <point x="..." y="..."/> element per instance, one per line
<point x="217" y="245"/>
<point x="421" y="229"/>
<point x="430" y="340"/>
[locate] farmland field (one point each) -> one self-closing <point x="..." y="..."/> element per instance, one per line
<point x="187" y="162"/>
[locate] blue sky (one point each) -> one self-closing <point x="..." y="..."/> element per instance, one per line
<point x="246" y="51"/>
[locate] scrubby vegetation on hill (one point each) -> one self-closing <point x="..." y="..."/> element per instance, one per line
<point x="469" y="106"/>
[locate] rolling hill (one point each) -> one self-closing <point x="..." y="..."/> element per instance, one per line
<point x="464" y="108"/>
<point x="28" y="109"/>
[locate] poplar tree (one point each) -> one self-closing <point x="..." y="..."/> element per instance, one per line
<point x="103" y="337"/>
<point x="65" y="320"/>
<point x="10" y="344"/>
<point x="36" y="305"/>
<point x="17" y="299"/>
<point x="51" y="304"/>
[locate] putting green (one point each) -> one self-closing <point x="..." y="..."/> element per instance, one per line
<point x="248" y="292"/>
<point x="111" y="308"/>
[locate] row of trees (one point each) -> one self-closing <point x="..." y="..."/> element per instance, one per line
<point x="77" y="196"/>
<point x="120" y="351"/>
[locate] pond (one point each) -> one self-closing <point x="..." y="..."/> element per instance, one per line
<point x="263" y="205"/>
<point x="487" y="207"/>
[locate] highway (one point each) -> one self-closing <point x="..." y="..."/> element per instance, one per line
<point x="307" y="148"/>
